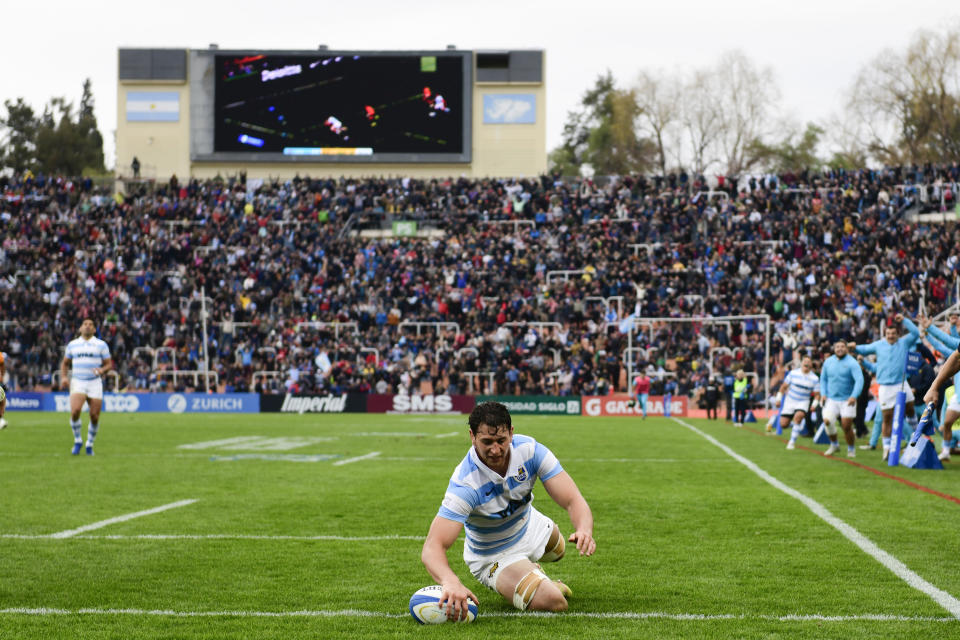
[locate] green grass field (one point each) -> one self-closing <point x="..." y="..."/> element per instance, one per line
<point x="289" y="537"/>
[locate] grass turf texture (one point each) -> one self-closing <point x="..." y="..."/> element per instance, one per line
<point x="682" y="529"/>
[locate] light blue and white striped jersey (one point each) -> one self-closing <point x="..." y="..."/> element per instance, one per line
<point x="802" y="385"/>
<point x="86" y="355"/>
<point x="495" y="510"/>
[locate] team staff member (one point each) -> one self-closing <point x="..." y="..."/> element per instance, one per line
<point x="741" y="392"/>
<point x="728" y="381"/>
<point x="712" y="395"/>
<point x="506" y="537"/>
<point x="89" y="358"/>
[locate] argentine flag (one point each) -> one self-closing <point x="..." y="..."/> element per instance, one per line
<point x="153" y="106"/>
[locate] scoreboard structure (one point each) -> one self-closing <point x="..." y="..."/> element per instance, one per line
<point x="203" y="112"/>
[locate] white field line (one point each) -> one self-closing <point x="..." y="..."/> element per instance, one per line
<point x="372" y="454"/>
<point x="359" y="613"/>
<point x="941" y="597"/>
<point x="214" y="536"/>
<point x="226" y="442"/>
<point x="448" y="435"/>
<point x="69" y="533"/>
<point x="387" y="434"/>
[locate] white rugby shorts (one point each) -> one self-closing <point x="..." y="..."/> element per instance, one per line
<point x="791" y="406"/>
<point x="954" y="404"/>
<point x="530" y="547"/>
<point x="834" y="408"/>
<point x="888" y="394"/>
<point x="93" y="389"/>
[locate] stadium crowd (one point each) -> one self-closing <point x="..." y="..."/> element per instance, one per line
<point x="305" y="280"/>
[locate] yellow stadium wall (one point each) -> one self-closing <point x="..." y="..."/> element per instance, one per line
<point x="163" y="148"/>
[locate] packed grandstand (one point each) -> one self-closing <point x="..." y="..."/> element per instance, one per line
<point x="512" y="286"/>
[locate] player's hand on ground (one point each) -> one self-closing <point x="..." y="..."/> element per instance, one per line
<point x="931" y="395"/>
<point x="454" y="599"/>
<point x="586" y="545"/>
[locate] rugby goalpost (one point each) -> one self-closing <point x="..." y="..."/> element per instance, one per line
<point x="762" y="319"/>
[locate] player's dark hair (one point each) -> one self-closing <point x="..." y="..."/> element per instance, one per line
<point x="492" y="414"/>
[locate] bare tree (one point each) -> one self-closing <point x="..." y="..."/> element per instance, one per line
<point x="700" y="118"/>
<point x="658" y="99"/>
<point x="746" y="96"/>
<point x="907" y="106"/>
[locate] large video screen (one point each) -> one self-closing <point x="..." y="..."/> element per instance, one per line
<point x="340" y="105"/>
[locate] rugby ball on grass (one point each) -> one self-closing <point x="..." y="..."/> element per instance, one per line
<point x="425" y="607"/>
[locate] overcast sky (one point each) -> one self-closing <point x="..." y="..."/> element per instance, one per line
<point x="814" y="47"/>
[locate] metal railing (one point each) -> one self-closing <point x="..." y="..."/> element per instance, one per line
<point x="472" y="376"/>
<point x="516" y="223"/>
<point x="436" y="325"/>
<point x="156" y="356"/>
<point x="336" y="327"/>
<point x="375" y="352"/>
<point x="564" y="273"/>
<point x="266" y="375"/>
<point x="194" y="373"/>
<point x="459" y="352"/>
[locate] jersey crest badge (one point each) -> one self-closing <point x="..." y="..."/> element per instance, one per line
<point x="521" y="474"/>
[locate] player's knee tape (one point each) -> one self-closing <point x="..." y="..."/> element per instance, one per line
<point x="831" y="427"/>
<point x="527" y="588"/>
<point x="556" y="547"/>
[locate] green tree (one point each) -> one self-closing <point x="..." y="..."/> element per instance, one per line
<point x="68" y="142"/>
<point x="18" y="150"/>
<point x="603" y="133"/>
<point x="87" y="123"/>
<point x="796" y="151"/>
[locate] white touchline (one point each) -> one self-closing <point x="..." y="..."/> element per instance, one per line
<point x="899" y="569"/>
<point x="210" y="444"/>
<point x="372" y="454"/>
<point x="216" y="536"/>
<point x="69" y="533"/>
<point x="360" y="613"/>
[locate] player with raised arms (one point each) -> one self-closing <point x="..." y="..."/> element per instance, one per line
<point x="891" y="352"/>
<point x="90" y="358"/>
<point x="490" y="493"/>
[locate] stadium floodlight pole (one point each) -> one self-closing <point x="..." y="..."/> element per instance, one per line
<point x="203" y="320"/>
